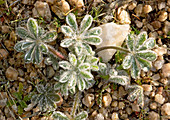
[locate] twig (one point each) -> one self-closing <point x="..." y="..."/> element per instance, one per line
<point x="55" y="52"/>
<point x="76" y="101"/>
<point x="112" y="47"/>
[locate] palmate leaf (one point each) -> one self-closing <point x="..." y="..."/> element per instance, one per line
<point x="78" y="39"/>
<point x="141" y="55"/>
<point x="34" y="43"/>
<point x="137" y="93"/>
<point x="57" y="115"/>
<point x="81" y="116"/>
<point x="46" y="98"/>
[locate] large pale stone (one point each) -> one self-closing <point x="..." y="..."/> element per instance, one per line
<point x="112" y="35"/>
<point x="42" y="9"/>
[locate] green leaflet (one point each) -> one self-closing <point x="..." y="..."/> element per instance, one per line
<point x="148" y="44"/>
<point x="72" y="59"/>
<point x="67" y="30"/>
<point x="72" y="80"/>
<point x="57" y="115"/>
<point x="67" y="42"/>
<point x="148" y="55"/>
<point x="122" y="80"/>
<point x="81" y="83"/>
<point x="23" y="33"/>
<point x="78" y="48"/>
<point x="38" y="55"/>
<point x="49" y="36"/>
<point x="93" y="40"/>
<point x="18" y="46"/>
<point x="71" y="21"/>
<point x="135" y="69"/>
<point x="65" y="65"/>
<point x="86" y="74"/>
<point x="141" y="38"/>
<point x="27" y="44"/>
<point x="130" y="42"/>
<point x="127" y="62"/>
<point x="64" y="77"/>
<point x="64" y="89"/>
<point x="144" y="64"/>
<point x="88" y="49"/>
<point x="29" y="55"/>
<point x="86" y="23"/>
<point x="97" y="31"/>
<point x="81" y="116"/>
<point x="32" y="27"/>
<point x="84" y="66"/>
<point x="103" y="68"/>
<point x="43" y="48"/>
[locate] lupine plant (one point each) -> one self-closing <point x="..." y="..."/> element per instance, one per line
<point x="78" y="39"/>
<point x="46" y="98"/>
<point x="35" y="41"/>
<point x="140" y="55"/>
<point x="75" y="75"/>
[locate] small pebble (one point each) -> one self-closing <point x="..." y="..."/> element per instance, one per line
<point x="132" y="5"/>
<point x="107" y="99"/>
<point x="147" y="9"/>
<point x="158" y="63"/>
<point x="156" y="24"/>
<point x="138" y="10"/>
<point x="129" y="110"/>
<point x="156" y="77"/>
<point x="139" y="24"/>
<point x="122" y="92"/>
<point x="161" y="5"/>
<point x="135" y="107"/>
<point x="123" y="16"/>
<point x="153" y="106"/>
<point x="115" y="116"/>
<point x="99" y="117"/>
<point x="88" y="100"/>
<point x="163" y="16"/>
<point x="3" y="54"/>
<point x="114" y="104"/>
<point x="165" y="109"/>
<point x="121" y="105"/>
<point x="166" y="70"/>
<point x="160" y="51"/>
<point x="166" y="28"/>
<point x="159" y="99"/>
<point x="5" y="29"/>
<point x="147" y="87"/>
<point x="11" y="73"/>
<point x="154" y="116"/>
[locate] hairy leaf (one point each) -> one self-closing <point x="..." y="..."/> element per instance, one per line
<point x="57" y="115"/>
<point x="71" y="21"/>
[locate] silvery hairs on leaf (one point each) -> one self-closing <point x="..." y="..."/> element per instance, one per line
<point x="112" y="75"/>
<point x="57" y="115"/>
<point x="34" y="41"/>
<point x="80" y="38"/>
<point x="136" y="94"/>
<point x="46" y="98"/>
<point x="141" y="55"/>
<point x="76" y="73"/>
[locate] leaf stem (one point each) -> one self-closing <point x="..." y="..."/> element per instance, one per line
<point x="112" y="47"/>
<point x="75" y="104"/>
<point x="55" y="52"/>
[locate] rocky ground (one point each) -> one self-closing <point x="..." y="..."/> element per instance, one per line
<point x="142" y="15"/>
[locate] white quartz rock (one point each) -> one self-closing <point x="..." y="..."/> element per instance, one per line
<point x="112" y="35"/>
